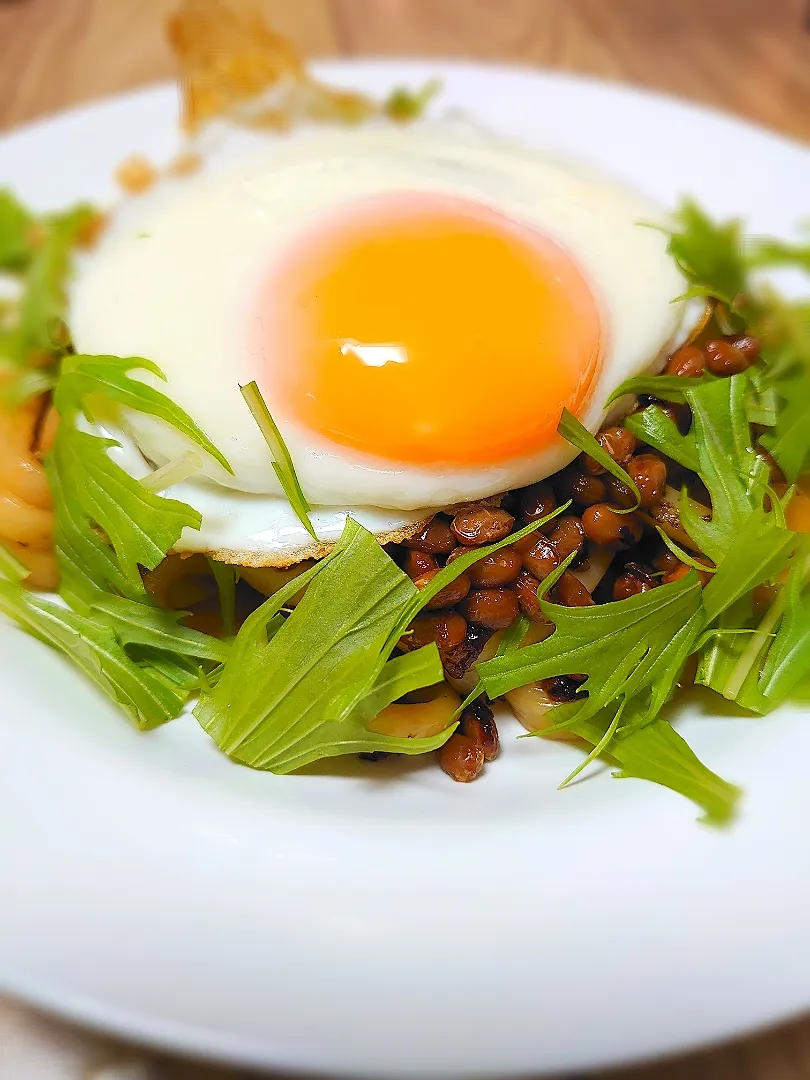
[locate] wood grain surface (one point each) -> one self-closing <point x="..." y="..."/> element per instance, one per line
<point x="751" y="57"/>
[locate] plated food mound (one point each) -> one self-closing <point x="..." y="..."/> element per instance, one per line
<point x="415" y="308"/>
<point x="377" y="426"/>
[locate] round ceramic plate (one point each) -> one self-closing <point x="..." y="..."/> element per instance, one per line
<point x="379" y="920"/>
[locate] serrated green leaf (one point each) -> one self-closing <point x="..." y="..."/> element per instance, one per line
<point x="789" y="441"/>
<point x="654" y="427"/>
<point x="727" y="465"/>
<point x="657" y="753"/>
<point x="15" y="228"/>
<point x="710" y="254"/>
<point x="92" y="646"/>
<point x="788" y="659"/>
<point x="112" y="524"/>
<point x="44" y="298"/>
<point x="140" y="525"/>
<point x="155" y="627"/>
<point x="766" y="252"/>
<point x="83" y="377"/>
<point x="621" y="647"/>
<point x="765" y="552"/>
<point x="666" y="387"/>
<point x="307" y="692"/>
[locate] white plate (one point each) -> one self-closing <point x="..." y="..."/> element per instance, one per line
<point x="384" y="921"/>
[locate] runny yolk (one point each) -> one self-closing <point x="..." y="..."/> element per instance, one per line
<point x="427" y="329"/>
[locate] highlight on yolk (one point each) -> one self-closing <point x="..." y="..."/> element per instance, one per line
<point x="427" y="329"/>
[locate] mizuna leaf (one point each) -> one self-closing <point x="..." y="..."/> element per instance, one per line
<point x="622" y="647"/>
<point x="656" y="752"/>
<point x="654" y="427"/>
<point x="307" y="692"/>
<point x="282" y="461"/>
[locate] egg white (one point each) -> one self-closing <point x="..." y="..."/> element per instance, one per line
<point x="176" y="277"/>
<point x="247" y="529"/>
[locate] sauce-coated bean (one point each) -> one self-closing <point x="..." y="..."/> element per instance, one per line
<point x="495" y="608"/>
<point x="478" y="724"/>
<point x="436" y="538"/>
<point x="570" y="592"/>
<point x="526" y="588"/>
<point x="608" y="529"/>
<point x="620" y="493"/>
<point x="633" y="580"/>
<point x="566" y="536"/>
<point x="723" y="358"/>
<point x="499" y="568"/>
<point x="458" y="660"/>
<point x="688" y="362"/>
<point x="541" y="558"/>
<point x="537" y="501"/>
<point x="461" y="758"/>
<point x="650" y="475"/>
<point x="447" y="628"/>
<point x="616" y="441"/>
<point x="481" y="525"/>
<point x="681" y="570"/>
<point x="418" y="563"/>
<point x="666" y="560"/>
<point x="585" y="488"/>
<point x="747" y="344"/>
<point x="449" y="596"/>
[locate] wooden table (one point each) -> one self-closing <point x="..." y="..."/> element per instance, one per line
<point x="748" y="56"/>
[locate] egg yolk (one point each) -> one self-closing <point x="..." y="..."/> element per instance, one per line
<point x="427" y="329"/>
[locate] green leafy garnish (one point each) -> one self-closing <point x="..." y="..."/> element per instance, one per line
<point x="632" y="653"/>
<point x="25" y="384"/>
<point x="623" y="648"/>
<point x="760" y="558"/>
<point x="710" y="255"/>
<point x="37" y="252"/>
<point x="46" y="277"/>
<point x="760" y="666"/>
<point x="111" y="525"/>
<point x="736" y="481"/>
<point x="282" y="462"/>
<point x="107" y="526"/>
<point x="727" y="465"/>
<point x="107" y="642"/>
<point x="404" y="105"/>
<point x="226" y="578"/>
<point x="303" y="688"/>
<point x="658" y="754"/>
<point x="789" y="654"/>
<point x="654" y="427"/>
<point x="667" y="387"/>
<point x="786" y="333"/>
<point x="16" y="225"/>
<point x="766" y="252"/>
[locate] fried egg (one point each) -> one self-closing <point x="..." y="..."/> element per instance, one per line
<point x="417" y="306"/>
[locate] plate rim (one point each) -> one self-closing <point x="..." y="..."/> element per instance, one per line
<point x="94" y="1014"/>
<point x="320" y="64"/>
